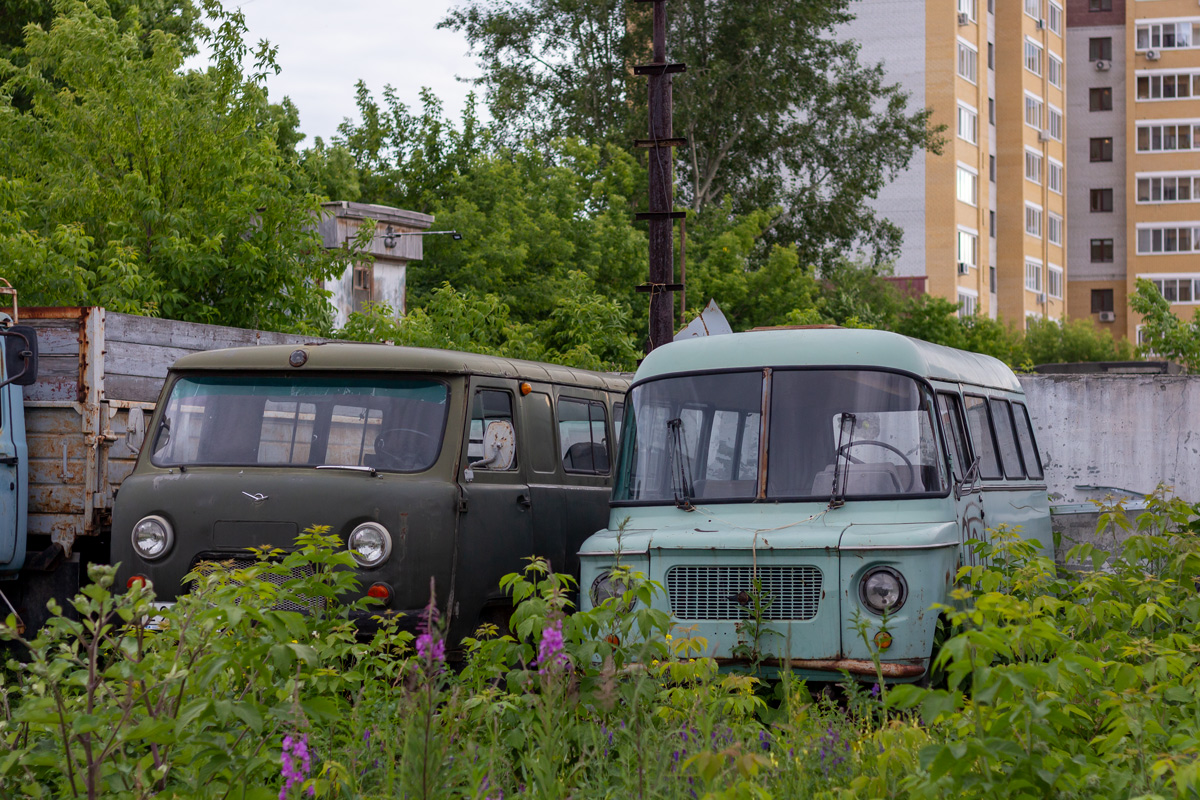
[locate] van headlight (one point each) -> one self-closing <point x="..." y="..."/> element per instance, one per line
<point x="370" y="544"/>
<point x="152" y="537"/>
<point x="883" y="589"/>
<point x="607" y="586"/>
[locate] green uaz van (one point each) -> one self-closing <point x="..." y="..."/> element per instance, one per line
<point x="427" y="463"/>
<point x="825" y="474"/>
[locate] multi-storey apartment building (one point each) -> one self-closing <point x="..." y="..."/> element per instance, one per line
<point x="984" y="221"/>
<point x="1134" y="72"/>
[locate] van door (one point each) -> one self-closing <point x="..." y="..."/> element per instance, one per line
<point x="10" y="485"/>
<point x="496" y="528"/>
<point x="967" y="495"/>
<point x="585" y="458"/>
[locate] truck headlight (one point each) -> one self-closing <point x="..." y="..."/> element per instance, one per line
<point x="883" y="589"/>
<point x="152" y="537"/>
<point x="607" y="586"/>
<point x="370" y="544"/>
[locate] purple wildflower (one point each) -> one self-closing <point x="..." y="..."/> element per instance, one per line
<point x="764" y="740"/>
<point x="551" y="655"/>
<point x="875" y="690"/>
<point x="297" y="763"/>
<point x="429" y="649"/>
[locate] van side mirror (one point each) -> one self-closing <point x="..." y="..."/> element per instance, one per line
<point x="20" y="355"/>
<point x="135" y="429"/>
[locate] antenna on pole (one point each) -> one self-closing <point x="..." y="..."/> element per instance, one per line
<point x="661" y="215"/>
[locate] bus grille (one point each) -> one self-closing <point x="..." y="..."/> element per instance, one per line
<point x="711" y="593"/>
<point x="208" y="563"/>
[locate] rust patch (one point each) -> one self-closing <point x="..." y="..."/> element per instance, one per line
<point x="890" y="669"/>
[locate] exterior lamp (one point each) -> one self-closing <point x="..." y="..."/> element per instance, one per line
<point x="389" y="235"/>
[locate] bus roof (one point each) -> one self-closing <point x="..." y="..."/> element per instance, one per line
<point x="355" y="356"/>
<point x="842" y="347"/>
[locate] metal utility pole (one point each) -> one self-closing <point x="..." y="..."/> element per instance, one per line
<point x="662" y="181"/>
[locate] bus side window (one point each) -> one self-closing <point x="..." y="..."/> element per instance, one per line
<point x="983" y="442"/>
<point x="618" y="418"/>
<point x="1010" y="456"/>
<point x="951" y="410"/>
<point x="489" y="406"/>
<point x="1033" y="461"/>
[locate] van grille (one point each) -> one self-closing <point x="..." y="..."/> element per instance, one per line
<point x="208" y="563"/>
<point x="704" y="593"/>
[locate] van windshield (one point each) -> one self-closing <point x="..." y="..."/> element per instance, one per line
<point x="695" y="438"/>
<point x="302" y="420"/>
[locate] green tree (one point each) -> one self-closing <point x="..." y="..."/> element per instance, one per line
<point x="1050" y="341"/>
<point x="131" y="183"/>
<point x="776" y="107"/>
<point x="1164" y="335"/>
<point x="180" y="19"/>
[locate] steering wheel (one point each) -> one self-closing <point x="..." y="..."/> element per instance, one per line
<point x="912" y="471"/>
<point x="406" y="459"/>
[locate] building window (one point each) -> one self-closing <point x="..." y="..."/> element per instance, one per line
<point x="992" y="278"/>
<point x="1033" y="220"/>
<point x="968" y="124"/>
<point x="1165" y="138"/>
<point x="1054" y="228"/>
<point x="1168" y="87"/>
<point x="967" y="7"/>
<point x="1033" y="167"/>
<point x="968" y="185"/>
<point x="1099" y="5"/>
<point x="991" y="55"/>
<point x="1159" y="240"/>
<point x="992" y="225"/>
<point x="992" y="110"/>
<point x="1177" y="288"/>
<point x="1054" y="281"/>
<point x="1100" y="98"/>
<point x="1102" y="251"/>
<point x="967" y="58"/>
<point x="1054" y="17"/>
<point x="968" y="304"/>
<point x="1033" y="56"/>
<point x="968" y="248"/>
<point x="992" y="168"/>
<point x="1033" y="275"/>
<point x="1055" y="177"/>
<point x="1033" y="111"/>
<point x="1166" y="35"/>
<point x="1034" y="8"/>
<point x="1168" y="188"/>
<point x="1102" y="300"/>
<point x="1102" y="148"/>
<point x="1054" y="67"/>
<point x="1100" y="48"/>
<point x="1056" y="123"/>
<point x="1102" y="199"/>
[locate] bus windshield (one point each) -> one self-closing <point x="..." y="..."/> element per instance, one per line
<point x="302" y="420"/>
<point x="695" y="438"/>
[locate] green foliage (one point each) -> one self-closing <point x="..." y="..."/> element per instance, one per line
<point x="1074" y="683"/>
<point x="1077" y="340"/>
<point x="1164" y="334"/>
<point x="129" y="183"/>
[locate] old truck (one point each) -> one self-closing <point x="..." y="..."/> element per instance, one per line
<point x="72" y="436"/>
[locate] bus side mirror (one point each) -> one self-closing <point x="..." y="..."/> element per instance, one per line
<point x="135" y="429"/>
<point x="20" y="355"/>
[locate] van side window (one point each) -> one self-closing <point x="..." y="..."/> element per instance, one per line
<point x="491" y="406"/>
<point x="951" y="410"/>
<point x="982" y="442"/>
<point x="618" y="418"/>
<point x="1033" y="462"/>
<point x="583" y="435"/>
<point x="1010" y="456"/>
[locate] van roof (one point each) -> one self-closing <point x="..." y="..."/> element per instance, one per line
<point x="346" y="356"/>
<point x="828" y="347"/>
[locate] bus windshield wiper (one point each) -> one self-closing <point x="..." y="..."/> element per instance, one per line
<point x="681" y="471"/>
<point x="845" y="438"/>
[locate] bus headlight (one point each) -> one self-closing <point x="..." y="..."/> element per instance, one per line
<point x="883" y="589"/>
<point x="152" y="537"/>
<point x="370" y="544"/>
<point x="607" y="586"/>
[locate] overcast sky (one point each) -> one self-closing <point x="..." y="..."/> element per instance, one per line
<point x="325" y="47"/>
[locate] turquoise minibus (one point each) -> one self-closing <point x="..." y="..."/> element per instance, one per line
<point x="810" y="479"/>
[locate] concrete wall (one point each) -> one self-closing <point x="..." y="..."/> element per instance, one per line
<point x="1130" y="432"/>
